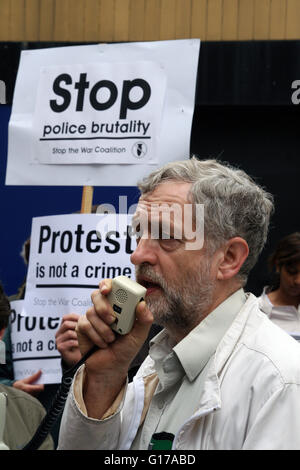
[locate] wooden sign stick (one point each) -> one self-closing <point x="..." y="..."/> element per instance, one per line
<point x="87" y="199"/>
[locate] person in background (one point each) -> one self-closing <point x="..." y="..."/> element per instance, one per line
<point x="6" y="370"/>
<point x="281" y="300"/>
<point x="23" y="413"/>
<point x="44" y="393"/>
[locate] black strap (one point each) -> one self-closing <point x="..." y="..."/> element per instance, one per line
<point x="57" y="405"/>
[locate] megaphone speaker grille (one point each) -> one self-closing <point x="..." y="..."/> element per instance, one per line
<point x="121" y="295"/>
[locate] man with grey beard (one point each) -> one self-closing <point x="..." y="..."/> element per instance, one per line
<point x="219" y="375"/>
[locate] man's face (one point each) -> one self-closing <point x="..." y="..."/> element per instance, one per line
<point x="179" y="281"/>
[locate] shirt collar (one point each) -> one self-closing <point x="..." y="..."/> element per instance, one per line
<point x="199" y="345"/>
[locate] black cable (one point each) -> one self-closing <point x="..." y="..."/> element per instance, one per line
<point x="57" y="405"/>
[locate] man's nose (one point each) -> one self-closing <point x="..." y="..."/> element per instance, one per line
<point x="145" y="252"/>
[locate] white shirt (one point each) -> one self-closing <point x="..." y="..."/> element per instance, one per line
<point x="249" y="396"/>
<point x="286" y="317"/>
<point x="177" y="366"/>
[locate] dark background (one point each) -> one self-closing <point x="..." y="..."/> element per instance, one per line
<point x="243" y="114"/>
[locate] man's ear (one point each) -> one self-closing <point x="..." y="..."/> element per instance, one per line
<point x="2" y="331"/>
<point x="235" y="252"/>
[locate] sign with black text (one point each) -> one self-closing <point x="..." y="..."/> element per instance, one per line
<point x="102" y="114"/>
<point x="33" y="345"/>
<point x="99" y="113"/>
<point x="69" y="256"/>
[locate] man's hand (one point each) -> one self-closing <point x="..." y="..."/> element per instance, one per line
<point x="28" y="385"/>
<point x="107" y="368"/>
<point x="66" y="339"/>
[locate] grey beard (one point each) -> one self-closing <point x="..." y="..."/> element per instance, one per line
<point x="182" y="306"/>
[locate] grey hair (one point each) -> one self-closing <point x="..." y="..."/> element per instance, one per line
<point x="234" y="204"/>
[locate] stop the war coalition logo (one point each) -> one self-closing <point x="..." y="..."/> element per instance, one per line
<point x="99" y="113"/>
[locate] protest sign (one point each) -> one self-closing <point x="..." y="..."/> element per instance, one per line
<point x="69" y="255"/>
<point x="69" y="127"/>
<point x="33" y="345"/>
<point x="91" y="113"/>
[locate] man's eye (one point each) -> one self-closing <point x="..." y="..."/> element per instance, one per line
<point x="170" y="243"/>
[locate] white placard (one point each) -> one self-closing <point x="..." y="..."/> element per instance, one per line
<point x="103" y="113"/>
<point x="67" y="261"/>
<point x="131" y="103"/>
<point x="69" y="255"/>
<point x="33" y="345"/>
